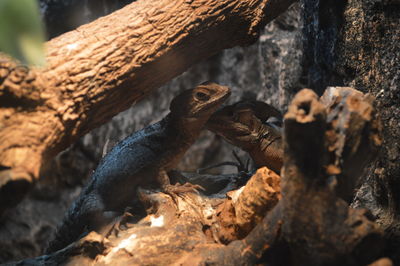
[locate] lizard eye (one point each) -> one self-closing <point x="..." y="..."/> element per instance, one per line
<point x="202" y="96"/>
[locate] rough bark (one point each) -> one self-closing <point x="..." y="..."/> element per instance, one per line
<point x="318" y="226"/>
<point x="246" y="207"/>
<point x="101" y="68"/>
<point x="353" y="136"/>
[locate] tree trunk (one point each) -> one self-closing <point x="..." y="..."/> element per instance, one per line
<point x="101" y="68"/>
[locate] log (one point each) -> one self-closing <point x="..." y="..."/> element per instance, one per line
<point x="246" y="207"/>
<point x="319" y="227"/>
<point x="102" y="68"/>
<point x="353" y="136"/>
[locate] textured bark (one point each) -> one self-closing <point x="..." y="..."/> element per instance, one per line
<point x="354" y="136"/>
<point x="246" y="207"/>
<point x="318" y="226"/>
<point x="382" y="262"/>
<point x="101" y="68"/>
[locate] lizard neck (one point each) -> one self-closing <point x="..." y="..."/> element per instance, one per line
<point x="184" y="129"/>
<point x="268" y="151"/>
<point x="256" y="154"/>
<point x="178" y="134"/>
<point x="253" y="145"/>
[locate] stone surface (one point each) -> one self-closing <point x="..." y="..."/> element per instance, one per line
<point x="64" y="15"/>
<point x="356" y="43"/>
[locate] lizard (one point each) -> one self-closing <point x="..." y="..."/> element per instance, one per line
<point x="142" y="159"/>
<point x="246" y="125"/>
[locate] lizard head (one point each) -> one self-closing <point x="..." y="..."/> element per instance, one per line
<point x="199" y="102"/>
<point x="242" y="124"/>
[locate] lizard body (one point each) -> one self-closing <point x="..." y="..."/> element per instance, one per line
<point x="142" y="159"/>
<point x="244" y="124"/>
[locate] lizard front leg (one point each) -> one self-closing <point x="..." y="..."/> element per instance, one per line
<point x="175" y="190"/>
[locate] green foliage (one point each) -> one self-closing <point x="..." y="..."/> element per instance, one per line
<point x="21" y="31"/>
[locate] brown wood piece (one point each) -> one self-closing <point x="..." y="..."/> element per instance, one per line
<point x="353" y="136"/>
<point x="247" y="206"/>
<point x="319" y="226"/>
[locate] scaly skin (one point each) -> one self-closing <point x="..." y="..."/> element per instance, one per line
<point x="244" y="124"/>
<point x="142" y="159"/>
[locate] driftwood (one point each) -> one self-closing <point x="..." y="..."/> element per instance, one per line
<point x="352" y="136"/>
<point x="101" y="68"/>
<point x="318" y="226"/>
<point x="296" y="219"/>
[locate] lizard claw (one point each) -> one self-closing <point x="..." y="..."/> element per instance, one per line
<point x="180" y="189"/>
<point x="194" y="187"/>
<point x="175" y="190"/>
<point x="122" y="223"/>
